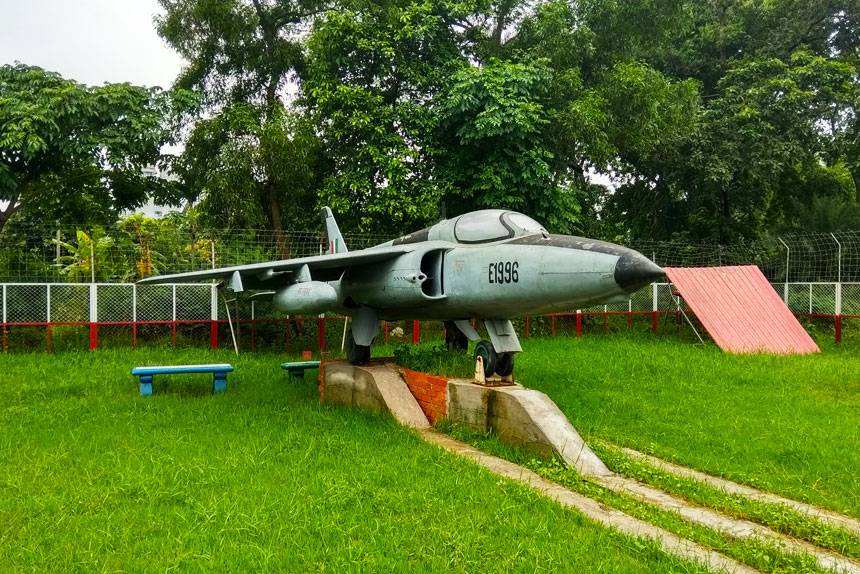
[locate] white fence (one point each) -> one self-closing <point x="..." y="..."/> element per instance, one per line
<point x="101" y="304"/>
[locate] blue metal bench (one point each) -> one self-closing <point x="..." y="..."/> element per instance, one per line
<point x="219" y="375"/>
<point x="297" y="370"/>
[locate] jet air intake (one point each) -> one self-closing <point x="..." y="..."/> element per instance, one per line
<point x="308" y="298"/>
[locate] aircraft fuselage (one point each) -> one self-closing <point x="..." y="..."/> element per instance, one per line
<point x="528" y="275"/>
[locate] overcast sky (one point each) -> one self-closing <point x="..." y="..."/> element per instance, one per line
<point x="91" y="41"/>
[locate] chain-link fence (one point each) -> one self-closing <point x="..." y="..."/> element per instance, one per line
<point x="800" y="258"/>
<point x="70" y="279"/>
<point x="46" y="316"/>
<point x="136" y="248"/>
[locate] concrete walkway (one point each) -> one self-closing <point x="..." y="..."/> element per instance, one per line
<point x="719" y="522"/>
<point x="600" y="513"/>
<point x="822" y="514"/>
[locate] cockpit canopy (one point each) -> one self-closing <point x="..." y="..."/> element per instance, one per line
<point x="493" y="225"/>
<point x="477" y="227"/>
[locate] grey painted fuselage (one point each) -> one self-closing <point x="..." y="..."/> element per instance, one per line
<point x="528" y="274"/>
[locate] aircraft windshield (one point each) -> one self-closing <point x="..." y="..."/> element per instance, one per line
<point x="525" y="223"/>
<point x="482" y="227"/>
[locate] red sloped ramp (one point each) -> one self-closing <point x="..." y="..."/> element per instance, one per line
<point x="740" y="310"/>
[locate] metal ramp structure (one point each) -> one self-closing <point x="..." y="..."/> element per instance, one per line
<point x="740" y="310"/>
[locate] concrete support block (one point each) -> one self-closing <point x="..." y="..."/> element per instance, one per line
<point x="378" y="388"/>
<point x="469" y="405"/>
<point x="523" y="417"/>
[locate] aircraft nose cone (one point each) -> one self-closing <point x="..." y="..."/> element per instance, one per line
<point x="634" y="271"/>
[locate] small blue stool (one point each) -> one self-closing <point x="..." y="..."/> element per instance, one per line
<point x="297" y="370"/>
<point x="219" y="375"/>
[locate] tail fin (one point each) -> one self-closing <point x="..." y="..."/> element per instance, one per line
<point x="332" y="233"/>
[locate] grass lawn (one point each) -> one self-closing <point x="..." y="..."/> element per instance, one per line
<point x="786" y="424"/>
<point x="94" y="477"/>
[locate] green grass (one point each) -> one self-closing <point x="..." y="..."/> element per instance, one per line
<point x="755" y="553"/>
<point x="261" y="478"/>
<point x="785" y="424"/>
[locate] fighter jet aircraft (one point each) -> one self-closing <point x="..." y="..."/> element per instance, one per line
<point x="492" y="265"/>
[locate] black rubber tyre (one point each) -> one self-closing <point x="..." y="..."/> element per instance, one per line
<point x="356" y="354"/>
<point x="505" y="364"/>
<point x="455" y="340"/>
<point x="485" y="350"/>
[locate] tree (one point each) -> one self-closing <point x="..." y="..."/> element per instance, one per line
<point x="246" y="167"/>
<point x="498" y="155"/>
<point x="75" y="153"/>
<point x="523" y="132"/>
<point x="373" y="72"/>
<point x="242" y="57"/>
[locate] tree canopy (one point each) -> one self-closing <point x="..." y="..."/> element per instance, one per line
<point x="75" y="153"/>
<point x="716" y="120"/>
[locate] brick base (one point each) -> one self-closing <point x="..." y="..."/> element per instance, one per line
<point x="430" y="391"/>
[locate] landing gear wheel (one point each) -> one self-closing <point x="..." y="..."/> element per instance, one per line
<point x="356" y="354"/>
<point x="485" y="350"/>
<point x="455" y="340"/>
<point x="505" y="364"/>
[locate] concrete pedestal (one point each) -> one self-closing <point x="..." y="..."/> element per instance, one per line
<point x="376" y="387"/>
<point x="523" y="417"/>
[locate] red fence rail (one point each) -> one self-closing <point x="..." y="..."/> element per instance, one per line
<point x="558" y="324"/>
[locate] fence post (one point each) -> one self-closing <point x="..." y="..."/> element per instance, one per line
<point x="48" y="315"/>
<point x="655" y="300"/>
<point x="579" y="322"/>
<point x="416" y="332"/>
<point x="252" y="325"/>
<point x="838" y="309"/>
<point x="528" y="330"/>
<point x="214" y="316"/>
<point x="787" y="262"/>
<point x="321" y="329"/>
<point x="134" y="315"/>
<point x="4" y="318"/>
<point x="94" y="317"/>
<point x="174" y="315"/>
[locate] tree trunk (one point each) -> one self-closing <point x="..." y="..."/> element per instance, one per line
<point x="5" y="216"/>
<point x="855" y="175"/>
<point x="275" y="214"/>
<point x="725" y="214"/>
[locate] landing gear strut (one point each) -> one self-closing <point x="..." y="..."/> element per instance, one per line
<point x="455" y="340"/>
<point x="356" y="354"/>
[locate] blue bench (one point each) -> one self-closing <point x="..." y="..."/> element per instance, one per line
<point x="297" y="370"/>
<point x="219" y="375"/>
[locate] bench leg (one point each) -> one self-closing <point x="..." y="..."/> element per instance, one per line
<point x="145" y="384"/>
<point x="219" y="382"/>
<point x="297" y="376"/>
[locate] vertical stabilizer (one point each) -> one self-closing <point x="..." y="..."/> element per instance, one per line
<point x="332" y="233"/>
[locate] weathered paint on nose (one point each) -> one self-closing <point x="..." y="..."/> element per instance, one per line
<point x="634" y="271"/>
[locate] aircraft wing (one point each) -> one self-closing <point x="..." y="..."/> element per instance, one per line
<point x="260" y="275"/>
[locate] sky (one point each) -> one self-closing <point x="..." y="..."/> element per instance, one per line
<point x="90" y="41"/>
